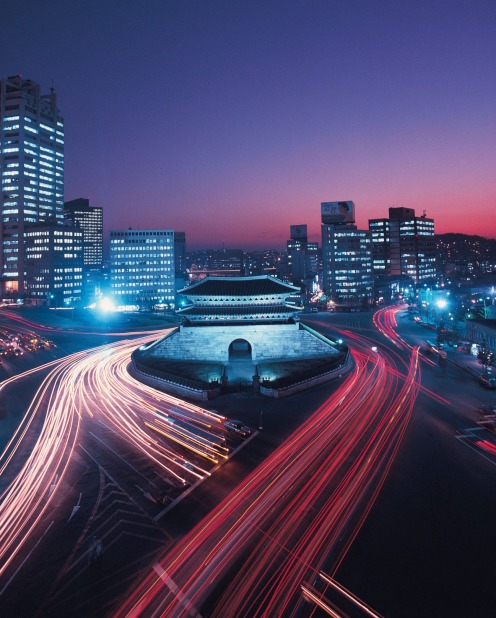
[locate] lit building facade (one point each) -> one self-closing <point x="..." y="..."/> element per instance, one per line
<point x="89" y="219"/>
<point x="180" y="253"/>
<point x="303" y="262"/>
<point x="346" y="258"/>
<point x="31" y="171"/>
<point x="404" y="245"/>
<point x="296" y="248"/>
<point x="142" y="268"/>
<point x="54" y="264"/>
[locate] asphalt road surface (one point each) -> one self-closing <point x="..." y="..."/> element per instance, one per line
<point x="393" y="466"/>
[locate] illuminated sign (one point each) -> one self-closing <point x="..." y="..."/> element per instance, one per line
<point x="337" y="212"/>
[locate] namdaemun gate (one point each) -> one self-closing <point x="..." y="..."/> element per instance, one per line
<point x="240" y="322"/>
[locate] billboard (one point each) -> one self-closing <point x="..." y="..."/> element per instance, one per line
<point x="298" y="232"/>
<point x="337" y="212"/>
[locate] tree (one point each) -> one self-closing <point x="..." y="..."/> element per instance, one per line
<point x="485" y="357"/>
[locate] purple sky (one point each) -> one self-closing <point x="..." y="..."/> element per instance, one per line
<point x="231" y="120"/>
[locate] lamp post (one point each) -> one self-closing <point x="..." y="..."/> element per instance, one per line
<point x="260" y="426"/>
<point x="441" y="305"/>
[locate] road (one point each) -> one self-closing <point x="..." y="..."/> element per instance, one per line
<point x="306" y="501"/>
<point x="427" y="547"/>
<point x="371" y="486"/>
<point x="88" y="411"/>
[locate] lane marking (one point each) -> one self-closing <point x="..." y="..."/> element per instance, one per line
<point x="25" y="559"/>
<point x="124" y="460"/>
<point x="174" y="588"/>
<point x="192" y="487"/>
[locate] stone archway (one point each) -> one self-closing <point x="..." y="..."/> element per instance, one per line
<point x="240" y="350"/>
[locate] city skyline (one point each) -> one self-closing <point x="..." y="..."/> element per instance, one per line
<point x="233" y="122"/>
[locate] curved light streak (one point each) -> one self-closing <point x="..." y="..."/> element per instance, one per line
<point x="78" y="390"/>
<point x="302" y="507"/>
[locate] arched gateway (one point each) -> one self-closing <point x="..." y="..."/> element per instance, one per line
<point x="239" y="349"/>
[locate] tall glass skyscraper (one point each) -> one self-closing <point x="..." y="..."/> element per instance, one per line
<point x="31" y="172"/>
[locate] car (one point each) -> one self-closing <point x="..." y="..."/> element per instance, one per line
<point x="487" y="381"/>
<point x="430" y="346"/>
<point x="238" y="428"/>
<point x="487" y="409"/>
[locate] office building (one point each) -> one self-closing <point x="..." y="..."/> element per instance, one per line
<point x="31" y="171"/>
<point x="180" y="253"/>
<point x="303" y="263"/>
<point x="53" y="264"/>
<point x="297" y="253"/>
<point x="404" y="245"/>
<point x="346" y="258"/>
<point x="142" y="268"/>
<point x="89" y="219"/>
<point x="180" y="266"/>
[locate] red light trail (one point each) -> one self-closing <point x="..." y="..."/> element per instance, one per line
<point x="297" y="513"/>
<point x="302" y="507"/>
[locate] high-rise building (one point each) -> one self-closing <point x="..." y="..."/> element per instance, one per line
<point x="180" y="253"/>
<point x="346" y="258"/>
<point x="302" y="255"/>
<point x="297" y="253"/>
<point x="181" y="270"/>
<point x="142" y="270"/>
<point x="404" y="245"/>
<point x="54" y="263"/>
<point x="31" y="171"/>
<point x="89" y="219"/>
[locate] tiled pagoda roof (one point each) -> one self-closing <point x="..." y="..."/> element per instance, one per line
<point x="263" y="285"/>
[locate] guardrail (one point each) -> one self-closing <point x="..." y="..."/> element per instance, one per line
<point x="308" y="382"/>
<point x="171" y="383"/>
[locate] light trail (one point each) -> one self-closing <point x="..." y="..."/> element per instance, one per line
<point x="302" y="507"/>
<point x="77" y="391"/>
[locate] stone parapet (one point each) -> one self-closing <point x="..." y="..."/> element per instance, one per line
<point x="304" y="384"/>
<point x="172" y="387"/>
<point x="267" y="343"/>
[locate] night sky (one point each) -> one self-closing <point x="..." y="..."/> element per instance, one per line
<point x="231" y="120"/>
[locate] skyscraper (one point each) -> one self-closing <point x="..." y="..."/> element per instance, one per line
<point x="404" y="245"/>
<point x="303" y="262"/>
<point x="296" y="248"/>
<point x="346" y="258"/>
<point x="89" y="219"/>
<point x="31" y="171"/>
